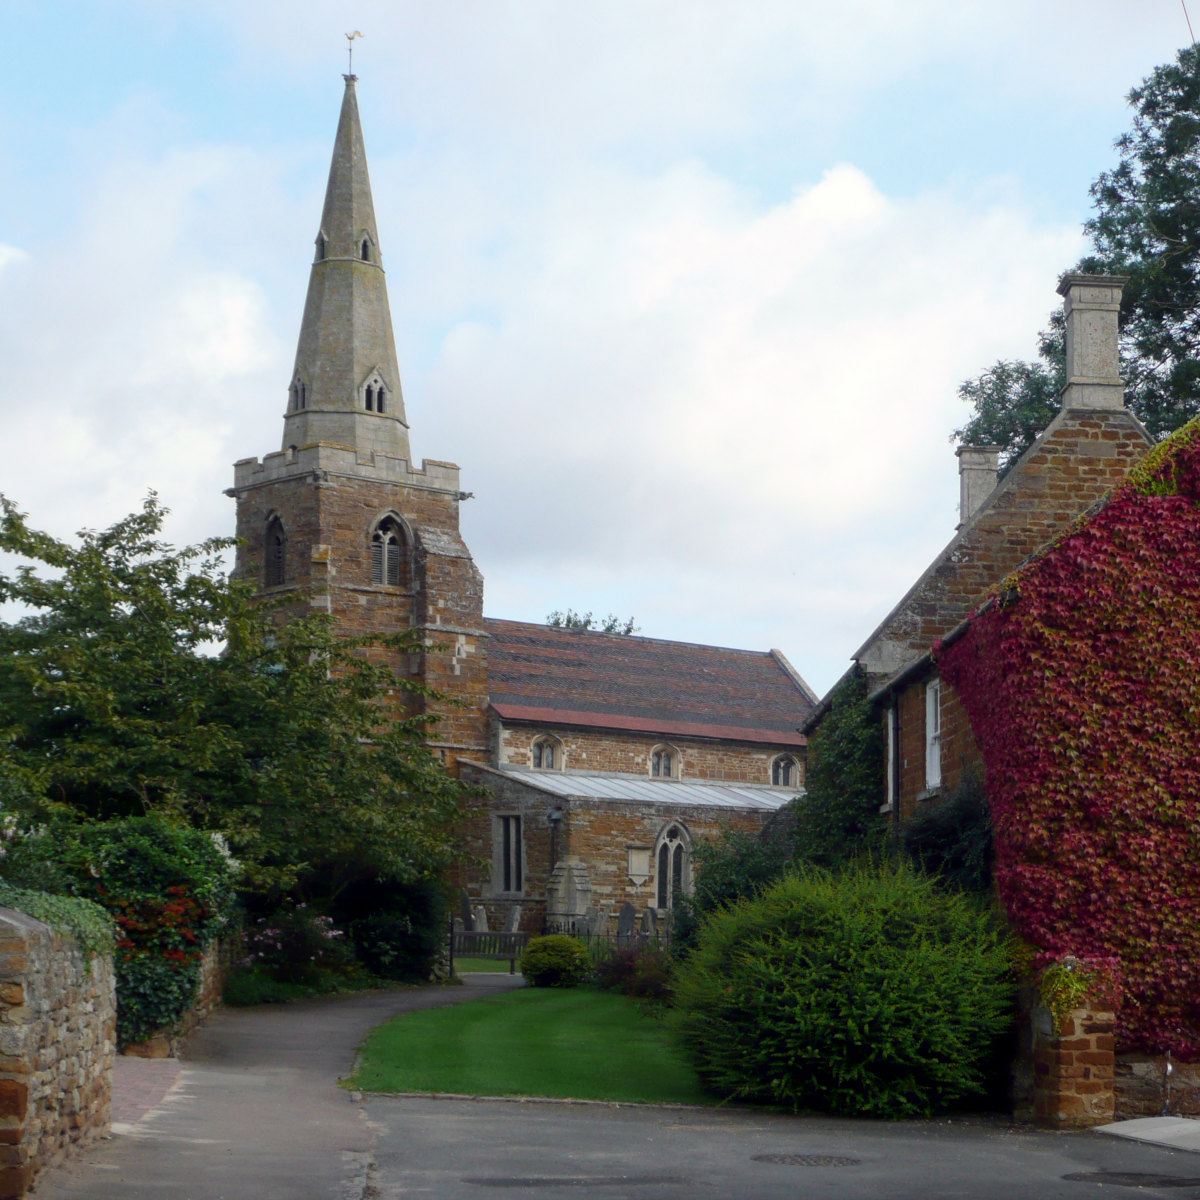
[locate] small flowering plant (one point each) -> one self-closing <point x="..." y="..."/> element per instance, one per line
<point x="298" y="945"/>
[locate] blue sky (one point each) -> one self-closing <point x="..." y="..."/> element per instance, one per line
<point x="685" y="288"/>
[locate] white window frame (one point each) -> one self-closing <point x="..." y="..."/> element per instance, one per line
<point x="933" y="734"/>
<point x="890" y="774"/>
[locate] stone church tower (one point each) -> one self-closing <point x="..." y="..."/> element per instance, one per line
<point x="339" y="517"/>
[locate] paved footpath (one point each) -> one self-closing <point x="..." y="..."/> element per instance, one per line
<point x="253" y="1113"/>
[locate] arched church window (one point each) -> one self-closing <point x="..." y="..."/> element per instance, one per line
<point x="673" y="867"/>
<point x="664" y="762"/>
<point x="320" y="247"/>
<point x="379" y="399"/>
<point x="366" y="250"/>
<point x="388" y="546"/>
<point x="785" y="772"/>
<point x="547" y="754"/>
<point x="275" y="558"/>
<point x="370" y="399"/>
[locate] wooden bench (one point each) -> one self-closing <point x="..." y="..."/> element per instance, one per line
<point x="486" y="944"/>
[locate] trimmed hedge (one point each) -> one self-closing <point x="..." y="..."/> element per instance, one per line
<point x="556" y="960"/>
<point x="873" y="993"/>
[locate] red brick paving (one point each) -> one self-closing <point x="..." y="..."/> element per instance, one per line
<point x="140" y="1084"/>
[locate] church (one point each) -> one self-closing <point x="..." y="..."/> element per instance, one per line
<point x="600" y="759"/>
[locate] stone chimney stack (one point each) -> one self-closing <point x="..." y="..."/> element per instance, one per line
<point x="978" y="467"/>
<point x="1090" y="304"/>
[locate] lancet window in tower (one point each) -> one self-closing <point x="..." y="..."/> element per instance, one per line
<point x="388" y="546"/>
<point x="298" y="394"/>
<point x="375" y="396"/>
<point x="366" y="250"/>
<point x="320" y="246"/>
<point x="275" y="557"/>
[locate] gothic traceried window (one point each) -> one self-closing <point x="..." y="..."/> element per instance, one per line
<point x="388" y="553"/>
<point x="673" y="866"/>
<point x="785" y="772"/>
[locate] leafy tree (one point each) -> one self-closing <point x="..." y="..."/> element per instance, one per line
<point x="585" y="621"/>
<point x="1146" y="226"/>
<point x="113" y="704"/>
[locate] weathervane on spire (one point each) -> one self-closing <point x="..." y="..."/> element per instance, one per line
<point x="350" y="52"/>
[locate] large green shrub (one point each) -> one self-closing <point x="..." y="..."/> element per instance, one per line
<point x="169" y="889"/>
<point x="874" y="993"/>
<point x="556" y="960"/>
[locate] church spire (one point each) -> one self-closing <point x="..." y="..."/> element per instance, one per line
<point x="345" y="386"/>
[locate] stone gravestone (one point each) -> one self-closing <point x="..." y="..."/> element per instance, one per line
<point x="481" y="925"/>
<point x="514" y="919"/>
<point x="464" y="911"/>
<point x="626" y="922"/>
<point x="649" y="922"/>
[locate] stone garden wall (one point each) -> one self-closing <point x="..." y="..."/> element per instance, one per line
<point x="57" y="1040"/>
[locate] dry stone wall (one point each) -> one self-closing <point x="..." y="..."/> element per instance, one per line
<point x="57" y="1040"/>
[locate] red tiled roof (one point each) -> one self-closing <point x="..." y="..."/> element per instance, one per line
<point x="607" y="680"/>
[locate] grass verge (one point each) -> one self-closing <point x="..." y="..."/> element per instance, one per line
<point x="567" y="1043"/>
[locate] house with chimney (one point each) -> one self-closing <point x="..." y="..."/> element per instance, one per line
<point x="1088" y="448"/>
<point x="600" y="759"/>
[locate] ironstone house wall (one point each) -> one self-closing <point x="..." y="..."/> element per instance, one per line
<point x="57" y="1041"/>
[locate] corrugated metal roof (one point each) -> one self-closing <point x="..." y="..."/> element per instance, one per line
<point x="653" y="791"/>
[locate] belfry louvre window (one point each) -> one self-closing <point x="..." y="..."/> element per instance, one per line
<point x="375" y="396"/>
<point x="275" y="561"/>
<point x="511" y="866"/>
<point x="387" y="553"/>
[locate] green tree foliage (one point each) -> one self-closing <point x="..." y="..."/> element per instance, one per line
<point x="871" y="993"/>
<point x="1146" y="226"/>
<point x="835" y="822"/>
<point x="838" y="819"/>
<point x="113" y="704"/>
<point x="585" y="621"/>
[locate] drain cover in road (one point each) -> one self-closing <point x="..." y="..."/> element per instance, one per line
<point x="807" y="1160"/>
<point x="1134" y="1179"/>
<point x="560" y="1181"/>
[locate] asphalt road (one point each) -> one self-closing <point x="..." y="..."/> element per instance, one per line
<point x="255" y="1114"/>
<point x="470" y="1150"/>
